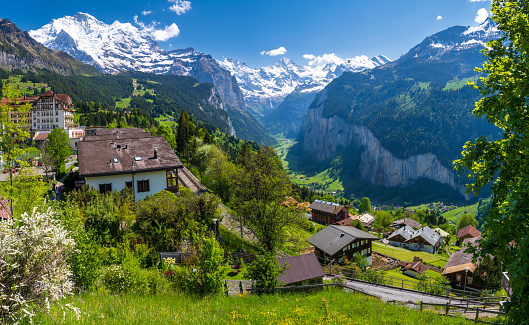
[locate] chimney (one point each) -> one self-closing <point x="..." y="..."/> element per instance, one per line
<point x="155" y="153"/>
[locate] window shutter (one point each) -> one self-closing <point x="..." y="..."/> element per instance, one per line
<point x="140" y="186"/>
<point x="146" y="187"/>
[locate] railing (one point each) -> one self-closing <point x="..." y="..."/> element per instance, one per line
<point x="405" y="284"/>
<point x="458" y="307"/>
<point x="303" y="288"/>
<point x="505" y="283"/>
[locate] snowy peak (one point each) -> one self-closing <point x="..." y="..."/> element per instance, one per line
<point x="266" y="87"/>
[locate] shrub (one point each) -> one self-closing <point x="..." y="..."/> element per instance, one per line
<point x="34" y="250"/>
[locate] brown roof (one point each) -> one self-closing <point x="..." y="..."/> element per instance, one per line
<point x="328" y="207"/>
<point x="418" y="267"/>
<point x="408" y="222"/>
<point x="302" y="267"/>
<point x="459" y="268"/>
<point x="41" y="137"/>
<point x="117" y="134"/>
<point x="96" y="158"/>
<point x="461" y="257"/>
<point x="5" y="209"/>
<point x="18" y="101"/>
<point x="345" y="222"/>
<point x="61" y="97"/>
<point x="468" y="230"/>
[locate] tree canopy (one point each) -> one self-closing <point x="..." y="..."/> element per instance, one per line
<point x="504" y="161"/>
<point x="58" y="147"/>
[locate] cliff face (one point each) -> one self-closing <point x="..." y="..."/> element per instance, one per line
<point x="325" y="136"/>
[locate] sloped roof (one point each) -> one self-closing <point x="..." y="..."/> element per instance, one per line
<point x="459" y="268"/>
<point x="302" y="267"/>
<point x="333" y="238"/>
<point x="441" y="232"/>
<point x="462" y="257"/>
<point x="325" y="206"/>
<point x="406" y="221"/>
<point x="468" y="230"/>
<point x="96" y="158"/>
<point x="427" y="234"/>
<point x="41" y="137"/>
<point x="406" y="232"/>
<point x="117" y="134"/>
<point x="366" y="218"/>
<point x="417" y="266"/>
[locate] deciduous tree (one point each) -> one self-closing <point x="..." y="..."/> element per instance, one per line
<point x="503" y="162"/>
<point x="58" y="146"/>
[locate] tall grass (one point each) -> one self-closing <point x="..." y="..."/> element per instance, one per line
<point x="331" y="306"/>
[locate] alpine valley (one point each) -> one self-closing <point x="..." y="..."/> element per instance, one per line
<point x="377" y="125"/>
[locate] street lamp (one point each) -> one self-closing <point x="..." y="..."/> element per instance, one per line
<point x="466" y="275"/>
<point x="215" y="227"/>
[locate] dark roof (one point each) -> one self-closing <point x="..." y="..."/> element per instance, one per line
<point x="96" y="158"/>
<point x="5" y="209"/>
<point x="406" y="221"/>
<point x="427" y="234"/>
<point x="417" y="266"/>
<point x="461" y="257"/>
<point x="302" y="267"/>
<point x="325" y="206"/>
<point x="468" y="230"/>
<point x="190" y="181"/>
<point x="117" y="134"/>
<point x="406" y="232"/>
<point x="333" y="238"/>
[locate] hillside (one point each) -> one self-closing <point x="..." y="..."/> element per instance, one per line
<point x="19" y="51"/>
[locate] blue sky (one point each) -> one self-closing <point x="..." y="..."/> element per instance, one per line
<point x="260" y="32"/>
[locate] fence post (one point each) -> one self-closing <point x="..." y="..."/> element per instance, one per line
<point x="402" y="284"/>
<point x="477" y="314"/>
<point x="421" y="305"/>
<point x="447" y="308"/>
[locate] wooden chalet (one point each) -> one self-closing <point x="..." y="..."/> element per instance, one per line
<point x="414" y="269"/>
<point x="328" y="212"/>
<point x="459" y="268"/>
<point x="336" y="242"/>
<point x="424" y="239"/>
<point x="467" y="232"/>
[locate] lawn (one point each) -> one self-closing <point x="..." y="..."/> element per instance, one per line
<point x="325" y="307"/>
<point x="438" y="260"/>
<point x="455" y="215"/>
<point x="166" y="120"/>
<point x="26" y="88"/>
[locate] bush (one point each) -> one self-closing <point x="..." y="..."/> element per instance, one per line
<point x="130" y="278"/>
<point x="34" y="250"/>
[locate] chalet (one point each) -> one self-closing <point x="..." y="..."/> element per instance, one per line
<point x="400" y="237"/>
<point x="328" y="212"/>
<point x="406" y="222"/>
<point x="424" y="239"/>
<point x="114" y="159"/>
<point x="303" y="269"/>
<point x="414" y="269"/>
<point x="336" y="242"/>
<point x="459" y="268"/>
<point x="467" y="232"/>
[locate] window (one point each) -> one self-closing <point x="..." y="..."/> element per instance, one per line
<point x="57" y="119"/>
<point x="103" y="188"/>
<point x="128" y="184"/>
<point x="143" y="186"/>
<point x="172" y="181"/>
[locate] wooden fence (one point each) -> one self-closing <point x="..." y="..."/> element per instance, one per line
<point x="448" y="307"/>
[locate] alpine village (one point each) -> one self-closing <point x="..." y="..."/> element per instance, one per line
<point x="142" y="185"/>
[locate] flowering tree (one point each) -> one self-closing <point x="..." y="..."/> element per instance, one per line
<point x="33" y="264"/>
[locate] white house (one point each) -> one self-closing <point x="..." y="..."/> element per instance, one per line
<point x="51" y="110"/>
<point x="114" y="159"/>
<point x="424" y="239"/>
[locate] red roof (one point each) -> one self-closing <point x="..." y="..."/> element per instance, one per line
<point x="41" y="137"/>
<point x="418" y="267"/>
<point x="468" y="230"/>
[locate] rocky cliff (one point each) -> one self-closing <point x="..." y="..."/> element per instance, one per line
<point x="323" y="137"/>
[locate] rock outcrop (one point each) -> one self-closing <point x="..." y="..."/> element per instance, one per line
<point x="325" y="136"/>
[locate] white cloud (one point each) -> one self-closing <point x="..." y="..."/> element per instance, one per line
<point x="324" y="59"/>
<point x="158" y="34"/>
<point x="180" y="6"/>
<point x="279" y="51"/>
<point x="481" y="15"/>
<point x="309" y="56"/>
<point x="439" y="17"/>
<point x="146" y="12"/>
<point x="166" y="33"/>
<point x="478" y="0"/>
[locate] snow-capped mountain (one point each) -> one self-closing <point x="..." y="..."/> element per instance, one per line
<point x="265" y="88"/>
<point x="123" y="47"/>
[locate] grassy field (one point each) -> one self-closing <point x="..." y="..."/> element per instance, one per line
<point x="458" y="84"/>
<point x="438" y="260"/>
<point x="319" y="182"/>
<point x="166" y="120"/>
<point x="455" y="215"/>
<point x="325" y="307"/>
<point x="26" y="88"/>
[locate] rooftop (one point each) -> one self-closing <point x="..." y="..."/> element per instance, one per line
<point x="406" y="221"/>
<point x="125" y="156"/>
<point x="468" y="230"/>
<point x="333" y="238"/>
<point x="328" y="207"/>
<point x="302" y="267"/>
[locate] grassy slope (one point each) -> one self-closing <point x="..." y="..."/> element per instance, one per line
<point x="326" y="307"/>
<point x="455" y="215"/>
<point x="438" y="260"/>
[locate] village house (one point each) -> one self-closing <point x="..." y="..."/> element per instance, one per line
<point x="114" y="159"/>
<point x="406" y="222"/>
<point x="51" y="110"/>
<point x="414" y="269"/>
<point x="16" y="115"/>
<point x="467" y="232"/>
<point x="328" y="212"/>
<point x="459" y="268"/>
<point x="302" y="270"/>
<point x="336" y="242"/>
<point x="424" y="239"/>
